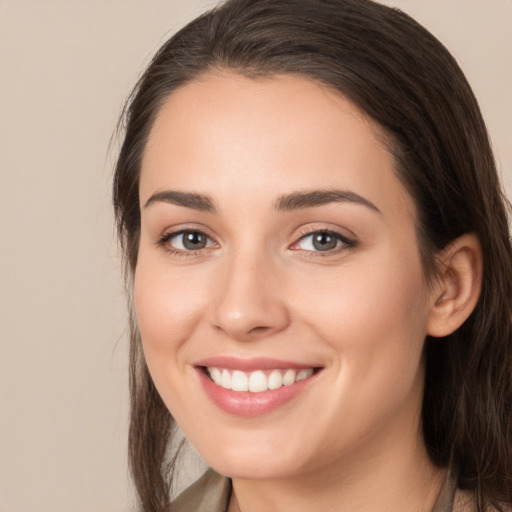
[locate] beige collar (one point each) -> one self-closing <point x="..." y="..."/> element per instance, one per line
<point x="212" y="492"/>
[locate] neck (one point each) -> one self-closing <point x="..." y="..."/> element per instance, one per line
<point x="365" y="482"/>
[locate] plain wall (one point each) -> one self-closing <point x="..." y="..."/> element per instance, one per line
<point x="66" y="67"/>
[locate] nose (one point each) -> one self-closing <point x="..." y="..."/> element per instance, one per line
<point x="250" y="304"/>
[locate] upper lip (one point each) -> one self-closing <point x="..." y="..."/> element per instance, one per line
<point x="252" y="364"/>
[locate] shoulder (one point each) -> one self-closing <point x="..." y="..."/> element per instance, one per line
<point x="210" y="493"/>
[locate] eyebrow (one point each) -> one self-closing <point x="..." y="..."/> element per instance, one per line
<point x="188" y="199"/>
<point x="301" y="200"/>
<point x="288" y="202"/>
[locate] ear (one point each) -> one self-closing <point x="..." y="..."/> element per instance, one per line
<point x="457" y="289"/>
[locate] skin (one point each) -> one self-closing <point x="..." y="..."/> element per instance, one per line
<point x="259" y="288"/>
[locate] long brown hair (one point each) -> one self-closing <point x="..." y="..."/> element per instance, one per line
<point x="400" y="75"/>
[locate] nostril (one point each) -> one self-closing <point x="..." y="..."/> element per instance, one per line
<point x="258" y="329"/>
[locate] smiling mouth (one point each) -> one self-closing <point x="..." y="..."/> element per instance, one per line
<point x="257" y="381"/>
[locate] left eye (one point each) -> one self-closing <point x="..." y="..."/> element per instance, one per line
<point x="321" y="241"/>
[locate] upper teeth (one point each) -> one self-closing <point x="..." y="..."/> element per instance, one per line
<point x="257" y="381"/>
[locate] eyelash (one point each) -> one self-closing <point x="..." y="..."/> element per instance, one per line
<point x="347" y="243"/>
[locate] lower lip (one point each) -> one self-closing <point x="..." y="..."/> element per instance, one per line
<point x="245" y="403"/>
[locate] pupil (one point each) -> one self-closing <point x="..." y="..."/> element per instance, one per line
<point x="324" y="242"/>
<point x="194" y="241"/>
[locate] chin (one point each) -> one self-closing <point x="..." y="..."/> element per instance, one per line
<point x="263" y="463"/>
<point x="252" y="470"/>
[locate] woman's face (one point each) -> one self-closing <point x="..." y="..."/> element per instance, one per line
<point x="278" y="256"/>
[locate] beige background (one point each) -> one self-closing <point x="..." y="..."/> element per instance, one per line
<point x="65" y="68"/>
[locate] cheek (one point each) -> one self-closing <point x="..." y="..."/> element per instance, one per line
<point x="373" y="315"/>
<point x="374" y="322"/>
<point x="168" y="307"/>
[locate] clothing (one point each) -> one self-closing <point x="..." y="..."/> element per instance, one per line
<point x="212" y="492"/>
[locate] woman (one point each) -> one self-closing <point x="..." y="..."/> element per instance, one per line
<point x="319" y="266"/>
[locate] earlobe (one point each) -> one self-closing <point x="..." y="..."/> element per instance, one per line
<point x="458" y="286"/>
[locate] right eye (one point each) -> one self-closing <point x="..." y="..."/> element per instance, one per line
<point x="186" y="241"/>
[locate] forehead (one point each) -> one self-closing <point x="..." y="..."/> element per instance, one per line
<point x="270" y="133"/>
<point x="222" y="104"/>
